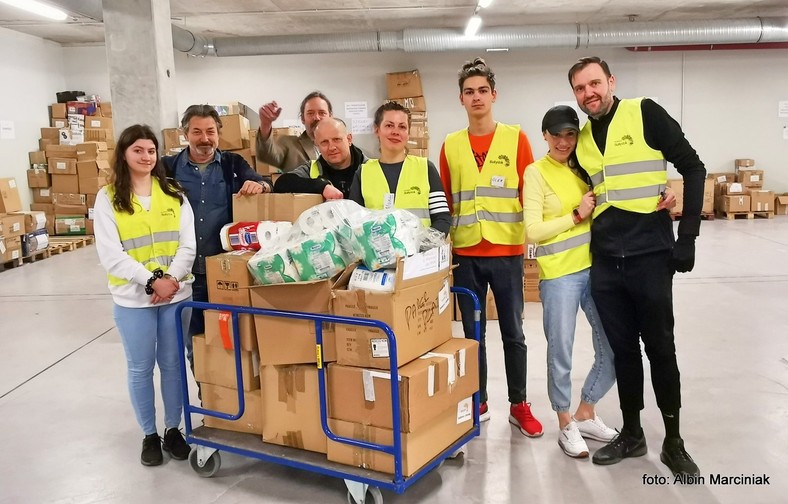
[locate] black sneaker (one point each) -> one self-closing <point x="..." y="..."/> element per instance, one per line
<point x="623" y="446"/>
<point x="174" y="443"/>
<point x="151" y="450"/>
<point x="677" y="459"/>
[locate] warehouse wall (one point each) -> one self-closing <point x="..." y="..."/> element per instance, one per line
<point x="32" y="71"/>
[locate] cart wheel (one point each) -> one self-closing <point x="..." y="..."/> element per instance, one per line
<point x="211" y="466"/>
<point x="377" y="497"/>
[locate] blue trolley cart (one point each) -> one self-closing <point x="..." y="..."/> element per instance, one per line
<point x="362" y="484"/>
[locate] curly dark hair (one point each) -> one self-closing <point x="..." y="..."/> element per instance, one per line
<point x="121" y="175"/>
<point x="476" y="68"/>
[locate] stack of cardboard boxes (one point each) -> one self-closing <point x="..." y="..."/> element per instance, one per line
<point x="437" y="375"/>
<point x="266" y="169"/>
<point x="677" y="186"/>
<point x="405" y="89"/>
<point x="21" y="233"/>
<point x="741" y="191"/>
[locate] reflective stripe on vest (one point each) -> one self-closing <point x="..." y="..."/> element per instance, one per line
<point x="485" y="203"/>
<point x="314" y="171"/>
<point x="413" y="187"/>
<point x="149" y="237"/>
<point x="569" y="251"/>
<point x="630" y="175"/>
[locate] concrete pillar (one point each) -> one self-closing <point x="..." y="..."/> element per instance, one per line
<point x="141" y="65"/>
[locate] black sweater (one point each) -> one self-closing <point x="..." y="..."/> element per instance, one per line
<point x="300" y="180"/>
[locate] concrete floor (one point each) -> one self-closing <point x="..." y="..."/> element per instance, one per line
<point x="69" y="435"/>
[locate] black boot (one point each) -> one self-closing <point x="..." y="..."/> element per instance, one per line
<point x="623" y="446"/>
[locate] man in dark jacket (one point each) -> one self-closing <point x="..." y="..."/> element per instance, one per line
<point x="210" y="177"/>
<point x="624" y="148"/>
<point x="331" y="174"/>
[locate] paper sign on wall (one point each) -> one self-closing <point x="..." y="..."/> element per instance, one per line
<point x="362" y="126"/>
<point x="7" y="130"/>
<point x="782" y="109"/>
<point x="356" y="110"/>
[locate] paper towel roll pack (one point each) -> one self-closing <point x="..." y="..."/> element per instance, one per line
<point x="385" y="236"/>
<point x="318" y="256"/>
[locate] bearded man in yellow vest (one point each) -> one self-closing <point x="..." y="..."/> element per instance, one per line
<point x="482" y="170"/>
<point x="624" y="148"/>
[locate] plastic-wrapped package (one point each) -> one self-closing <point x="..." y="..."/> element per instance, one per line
<point x="431" y="238"/>
<point x="385" y="236"/>
<point x="252" y="235"/>
<point x="373" y="281"/>
<point x="273" y="267"/>
<point x="318" y="256"/>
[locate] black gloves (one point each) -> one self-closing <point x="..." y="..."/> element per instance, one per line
<point x="684" y="253"/>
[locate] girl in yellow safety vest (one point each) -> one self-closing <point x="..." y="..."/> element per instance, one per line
<point x="397" y="179"/>
<point x="145" y="240"/>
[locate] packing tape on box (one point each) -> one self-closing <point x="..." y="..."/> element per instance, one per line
<point x="367" y="378"/>
<point x="452" y="364"/>
<point x="292" y="380"/>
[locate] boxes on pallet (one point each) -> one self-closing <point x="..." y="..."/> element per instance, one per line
<point x="708" y="196"/>
<point x="735" y="203"/>
<point x="10" y="248"/>
<point x="419" y="312"/>
<point x="70" y="225"/>
<point x="427" y="386"/>
<point x="403" y="84"/>
<point x="750" y="178"/>
<point x="225" y="400"/>
<point x="9" y="196"/>
<point x="216" y="365"/>
<point x="418" y="447"/>
<point x="33" y="220"/>
<point x="38" y="178"/>
<point x="761" y="201"/>
<point x="13" y="225"/>
<point x="291" y="407"/>
<point x="35" y="241"/>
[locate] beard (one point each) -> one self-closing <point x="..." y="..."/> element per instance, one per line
<point x="205" y="149"/>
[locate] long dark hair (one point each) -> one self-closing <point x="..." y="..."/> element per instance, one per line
<point x="121" y="175"/>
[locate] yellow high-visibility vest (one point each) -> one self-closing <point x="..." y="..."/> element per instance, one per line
<point x="485" y="204"/>
<point x="413" y="187"/>
<point x="314" y="171"/>
<point x="149" y="237"/>
<point x="570" y="251"/>
<point x="630" y="175"/>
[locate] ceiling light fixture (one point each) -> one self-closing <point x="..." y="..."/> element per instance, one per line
<point x="473" y="25"/>
<point x="485" y="3"/>
<point x="38" y="8"/>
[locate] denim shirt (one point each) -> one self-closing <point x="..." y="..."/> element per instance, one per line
<point x="207" y="193"/>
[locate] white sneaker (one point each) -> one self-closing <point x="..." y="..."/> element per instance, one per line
<point x="595" y="429"/>
<point x="570" y="440"/>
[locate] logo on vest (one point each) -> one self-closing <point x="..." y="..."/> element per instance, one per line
<point x="168" y="212"/>
<point x="412" y="190"/>
<point x="503" y="159"/>
<point x="625" y="140"/>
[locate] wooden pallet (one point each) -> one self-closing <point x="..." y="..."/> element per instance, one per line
<point x="37" y="256"/>
<point x="764" y="215"/>
<point x="735" y="215"/>
<point x="703" y="216"/>
<point x="71" y="242"/>
<point x="14" y="263"/>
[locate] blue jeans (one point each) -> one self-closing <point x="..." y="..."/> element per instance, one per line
<point x="504" y="275"/>
<point x="561" y="298"/>
<point x="148" y="336"/>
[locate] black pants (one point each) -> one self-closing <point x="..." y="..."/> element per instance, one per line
<point x="504" y="275"/>
<point x="634" y="297"/>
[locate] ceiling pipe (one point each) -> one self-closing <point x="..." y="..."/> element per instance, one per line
<point x="710" y="47"/>
<point x="749" y="32"/>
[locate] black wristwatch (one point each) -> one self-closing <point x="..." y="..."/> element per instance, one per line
<point x="157" y="273"/>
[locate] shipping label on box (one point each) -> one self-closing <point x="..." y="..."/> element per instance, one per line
<point x="216" y="365"/>
<point x="33" y="220"/>
<point x="42" y="195"/>
<point x="62" y="166"/>
<point x="291" y="407"/>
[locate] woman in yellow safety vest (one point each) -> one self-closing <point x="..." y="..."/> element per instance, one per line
<point x="558" y="208"/>
<point x="145" y="240"/>
<point x="397" y="179"/>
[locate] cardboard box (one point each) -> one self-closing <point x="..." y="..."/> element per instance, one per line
<point x="57" y="111"/>
<point x="418" y="143"/>
<point x="734" y="203"/>
<point x="761" y="201"/>
<point x="414" y="104"/>
<point x="225" y="400"/>
<point x="98" y="122"/>
<point x="33" y="220"/>
<point x="93" y="168"/>
<point x="61" y="151"/>
<point x="106" y="109"/>
<point x="247" y="155"/>
<point x="51" y="134"/>
<point x="234" y="133"/>
<point x="708" y="196"/>
<point x="10" y="248"/>
<point x="99" y="135"/>
<point x="299" y="346"/>
<point x="90" y="150"/>
<point x="750" y="178"/>
<point x="65" y="183"/>
<point x="47" y="208"/>
<point x="58" y="123"/>
<point x="229" y="278"/>
<point x="216" y="366"/>
<point x="418" y="448"/>
<point x="732" y="188"/>
<point x="62" y="166"/>
<point x="273" y="207"/>
<point x="37" y="158"/>
<point x="219" y="329"/>
<point x="13" y="225"/>
<point x="68" y="209"/>
<point x="174" y="138"/>
<point x="43" y="142"/>
<point x="291" y="407"/>
<point x="419" y="152"/>
<point x="677" y="185"/>
<point x="744" y="163"/>
<point x="87" y="108"/>
<point x="403" y="84"/>
<point x="418" y="311"/>
<point x="42" y="195"/>
<point x="92" y="185"/>
<point x="9" y="196"/>
<point x="69" y="225"/>
<point x="781" y="204"/>
<point x="427" y="387"/>
<point x="69" y="199"/>
<point x="38" y="177"/>
<point x="277" y="132"/>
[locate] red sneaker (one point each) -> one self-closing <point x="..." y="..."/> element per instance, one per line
<point x="520" y="415"/>
<point x="484" y="413"/>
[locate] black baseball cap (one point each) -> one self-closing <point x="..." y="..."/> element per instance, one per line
<point x="559" y="118"/>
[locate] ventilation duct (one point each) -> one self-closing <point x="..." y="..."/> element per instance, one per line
<point x="574" y="36"/>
